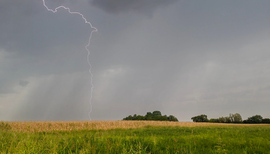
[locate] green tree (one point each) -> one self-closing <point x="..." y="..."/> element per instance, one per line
<point x="266" y="121"/>
<point x="128" y="118"/>
<point x="222" y="119"/>
<point x="149" y="116"/>
<point x="228" y="120"/>
<point x="214" y="120"/>
<point x="160" y="118"/>
<point x="172" y="118"/>
<point x="200" y="118"/>
<point x="140" y="117"/>
<point x="235" y="118"/>
<point x="156" y="113"/>
<point x="254" y="119"/>
<point x="134" y="117"/>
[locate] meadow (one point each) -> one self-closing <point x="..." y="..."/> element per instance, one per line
<point x="133" y="137"/>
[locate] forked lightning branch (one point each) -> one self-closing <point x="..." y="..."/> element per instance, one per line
<point x="93" y="29"/>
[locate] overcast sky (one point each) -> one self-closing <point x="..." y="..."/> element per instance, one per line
<point x="181" y="57"/>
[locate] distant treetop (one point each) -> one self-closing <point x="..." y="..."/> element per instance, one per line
<point x="233" y="118"/>
<point x="155" y="116"/>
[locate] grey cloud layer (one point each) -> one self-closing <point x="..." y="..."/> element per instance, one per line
<point x="123" y="6"/>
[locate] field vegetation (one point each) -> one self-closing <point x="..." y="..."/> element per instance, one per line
<point x="133" y="137"/>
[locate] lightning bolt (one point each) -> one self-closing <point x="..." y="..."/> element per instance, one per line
<point x="94" y="29"/>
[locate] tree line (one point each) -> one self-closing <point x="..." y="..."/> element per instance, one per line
<point x="155" y="116"/>
<point x="233" y="118"/>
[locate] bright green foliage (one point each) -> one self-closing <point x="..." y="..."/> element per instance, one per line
<point x="186" y="140"/>
<point x="156" y="116"/>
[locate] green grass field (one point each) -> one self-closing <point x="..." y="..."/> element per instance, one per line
<point x="235" y="139"/>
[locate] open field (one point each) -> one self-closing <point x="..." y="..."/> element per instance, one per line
<point x="133" y="137"/>
<point x="105" y="125"/>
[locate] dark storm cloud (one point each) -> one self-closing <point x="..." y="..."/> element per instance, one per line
<point x="139" y="6"/>
<point x="35" y="42"/>
<point x="34" y="32"/>
<point x="12" y="26"/>
<point x="36" y="47"/>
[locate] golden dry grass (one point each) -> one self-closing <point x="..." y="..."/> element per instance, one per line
<point x="104" y="125"/>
